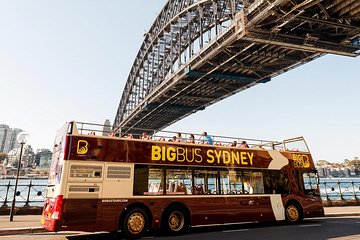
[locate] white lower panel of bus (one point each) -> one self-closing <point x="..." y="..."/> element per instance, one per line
<point x="277" y="207"/>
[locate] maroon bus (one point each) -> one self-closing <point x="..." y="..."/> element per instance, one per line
<point x="114" y="183"/>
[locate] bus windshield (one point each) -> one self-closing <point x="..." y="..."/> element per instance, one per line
<point x="296" y="144"/>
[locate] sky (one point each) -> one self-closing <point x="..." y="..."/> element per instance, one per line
<point x="69" y="60"/>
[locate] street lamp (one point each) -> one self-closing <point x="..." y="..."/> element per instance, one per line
<point x="22" y="138"/>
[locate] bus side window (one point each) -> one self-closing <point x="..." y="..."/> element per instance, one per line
<point x="141" y="176"/>
<point x="253" y="182"/>
<point x="205" y="182"/>
<point x="231" y="182"/>
<point x="276" y="182"/>
<point x="311" y="184"/>
<point x="148" y="181"/>
<point x="178" y="181"/>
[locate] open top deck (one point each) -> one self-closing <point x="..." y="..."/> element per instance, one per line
<point x="297" y="144"/>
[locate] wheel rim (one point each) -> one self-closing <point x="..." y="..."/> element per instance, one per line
<point x="176" y="221"/>
<point x="136" y="223"/>
<point x="293" y="213"/>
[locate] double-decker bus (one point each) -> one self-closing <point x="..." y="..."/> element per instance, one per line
<point x="131" y="185"/>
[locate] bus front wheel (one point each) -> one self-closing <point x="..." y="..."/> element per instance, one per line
<point x="175" y="220"/>
<point x="135" y="223"/>
<point x="293" y="213"/>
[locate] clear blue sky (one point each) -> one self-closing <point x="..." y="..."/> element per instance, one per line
<point x="69" y="60"/>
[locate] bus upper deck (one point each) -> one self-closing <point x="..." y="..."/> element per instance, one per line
<point x="296" y="144"/>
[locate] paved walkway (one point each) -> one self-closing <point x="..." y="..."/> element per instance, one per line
<point x="23" y="224"/>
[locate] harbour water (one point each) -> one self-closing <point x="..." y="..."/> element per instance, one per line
<point x="33" y="191"/>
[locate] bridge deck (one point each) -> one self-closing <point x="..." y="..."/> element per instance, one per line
<point x="258" y="42"/>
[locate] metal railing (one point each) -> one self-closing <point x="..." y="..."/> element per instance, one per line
<point x="293" y="144"/>
<point x="34" y="194"/>
<point x="26" y="195"/>
<point x="340" y="190"/>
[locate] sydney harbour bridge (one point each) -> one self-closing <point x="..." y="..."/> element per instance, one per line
<point x="198" y="52"/>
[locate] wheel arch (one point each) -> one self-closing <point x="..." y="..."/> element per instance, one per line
<point x="176" y="204"/>
<point x="132" y="206"/>
<point x="298" y="205"/>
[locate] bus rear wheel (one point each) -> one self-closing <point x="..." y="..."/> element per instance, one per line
<point x="293" y="214"/>
<point x="135" y="223"/>
<point x="175" y="220"/>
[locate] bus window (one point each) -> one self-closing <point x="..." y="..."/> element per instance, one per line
<point x="178" y="181"/>
<point x="148" y="181"/>
<point x="253" y="182"/>
<point x="205" y="182"/>
<point x="231" y="182"/>
<point x="276" y="182"/>
<point x="311" y="184"/>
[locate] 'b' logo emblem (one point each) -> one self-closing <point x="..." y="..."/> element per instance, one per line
<point x="82" y="147"/>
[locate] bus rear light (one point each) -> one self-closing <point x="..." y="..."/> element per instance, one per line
<point x="55" y="215"/>
<point x="57" y="207"/>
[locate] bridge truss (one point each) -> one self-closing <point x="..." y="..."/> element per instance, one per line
<point x="199" y="52"/>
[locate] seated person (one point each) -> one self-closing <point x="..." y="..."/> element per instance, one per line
<point x="145" y="136"/>
<point x="191" y="138"/>
<point x="206" y="139"/>
<point x="244" y="144"/>
<point x="178" y="138"/>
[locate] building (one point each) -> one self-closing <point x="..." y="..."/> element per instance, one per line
<point x="3" y="135"/>
<point x="27" y="160"/>
<point x="8" y="140"/>
<point x="106" y="128"/>
<point x="43" y="157"/>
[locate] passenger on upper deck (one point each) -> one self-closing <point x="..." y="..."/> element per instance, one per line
<point x="129" y="136"/>
<point x="178" y="137"/>
<point x="206" y="139"/>
<point x="244" y="144"/>
<point x="233" y="144"/>
<point x="191" y="138"/>
<point x="173" y="139"/>
<point x="145" y="136"/>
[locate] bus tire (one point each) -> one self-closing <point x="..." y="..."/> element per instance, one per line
<point x="175" y="220"/>
<point x="135" y="223"/>
<point x="293" y="213"/>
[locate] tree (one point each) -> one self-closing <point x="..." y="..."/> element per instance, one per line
<point x="322" y="162"/>
<point x="355" y="163"/>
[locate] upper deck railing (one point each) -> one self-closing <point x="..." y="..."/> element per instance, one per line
<point x="292" y="144"/>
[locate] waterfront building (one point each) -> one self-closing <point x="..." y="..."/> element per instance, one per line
<point x="8" y="138"/>
<point x="27" y="159"/>
<point x="43" y="157"/>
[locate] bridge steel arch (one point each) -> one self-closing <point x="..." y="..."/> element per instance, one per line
<point x="198" y="52"/>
